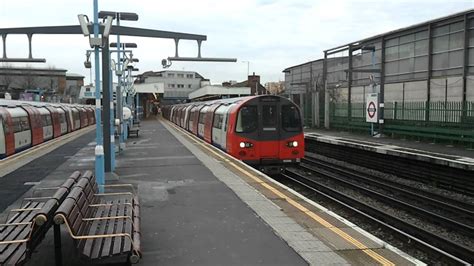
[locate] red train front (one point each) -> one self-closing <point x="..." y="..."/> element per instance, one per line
<point x="263" y="131"/>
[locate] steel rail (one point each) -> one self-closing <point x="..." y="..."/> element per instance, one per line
<point x="425" y="240"/>
<point x="434" y="199"/>
<point x="417" y="211"/>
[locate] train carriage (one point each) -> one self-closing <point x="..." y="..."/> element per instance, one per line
<point x="25" y="124"/>
<point x="265" y="131"/>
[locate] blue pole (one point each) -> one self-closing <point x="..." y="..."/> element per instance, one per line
<point x="119" y="91"/>
<point x="112" y="123"/>
<point x="99" y="148"/>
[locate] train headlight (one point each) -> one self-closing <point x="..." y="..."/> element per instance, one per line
<point x="292" y="144"/>
<point x="245" y="145"/>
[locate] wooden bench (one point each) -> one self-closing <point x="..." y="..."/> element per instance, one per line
<point x="133" y="130"/>
<point x="105" y="226"/>
<point x="23" y="232"/>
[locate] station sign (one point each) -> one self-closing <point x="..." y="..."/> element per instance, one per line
<point x="372" y="111"/>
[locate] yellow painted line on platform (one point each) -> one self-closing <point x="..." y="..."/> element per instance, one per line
<point x="377" y="257"/>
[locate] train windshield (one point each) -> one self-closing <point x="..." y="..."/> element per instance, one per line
<point x="291" y="120"/>
<point x="247" y="120"/>
<point x="269" y="117"/>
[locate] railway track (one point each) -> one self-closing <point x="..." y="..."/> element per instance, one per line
<point x="331" y="182"/>
<point x="444" y="177"/>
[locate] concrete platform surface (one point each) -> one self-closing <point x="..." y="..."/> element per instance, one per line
<point x="443" y="154"/>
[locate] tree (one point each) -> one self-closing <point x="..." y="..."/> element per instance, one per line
<point x="6" y="79"/>
<point x="30" y="81"/>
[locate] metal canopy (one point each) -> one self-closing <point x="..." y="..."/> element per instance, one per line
<point x="121" y="30"/>
<point x="76" y="29"/>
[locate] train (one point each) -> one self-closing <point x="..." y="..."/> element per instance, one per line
<point x="24" y="124"/>
<point x="264" y="131"/>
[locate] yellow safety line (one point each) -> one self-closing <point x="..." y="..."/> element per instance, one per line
<point x="382" y="260"/>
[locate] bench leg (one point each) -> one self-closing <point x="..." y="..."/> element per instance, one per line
<point x="57" y="245"/>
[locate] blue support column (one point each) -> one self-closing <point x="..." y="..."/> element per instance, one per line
<point x="99" y="148"/>
<point x="112" y="123"/>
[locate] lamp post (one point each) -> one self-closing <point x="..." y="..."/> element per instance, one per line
<point x="117" y="16"/>
<point x="99" y="148"/>
<point x="248" y="67"/>
<point x="119" y="97"/>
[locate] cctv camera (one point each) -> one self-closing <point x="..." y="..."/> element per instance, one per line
<point x="165" y="63"/>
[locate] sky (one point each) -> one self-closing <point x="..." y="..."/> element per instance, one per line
<point x="269" y="34"/>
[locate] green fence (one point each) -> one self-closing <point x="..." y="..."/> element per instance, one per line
<point x="452" y="121"/>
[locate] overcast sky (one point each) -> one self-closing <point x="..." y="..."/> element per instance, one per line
<point x="271" y="34"/>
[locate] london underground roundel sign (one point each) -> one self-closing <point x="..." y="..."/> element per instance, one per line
<point x="371" y="114"/>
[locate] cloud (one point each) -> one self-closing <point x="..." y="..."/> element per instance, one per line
<point x="271" y="34"/>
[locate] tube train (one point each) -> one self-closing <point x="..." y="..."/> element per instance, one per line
<point x="263" y="131"/>
<point x="26" y="124"/>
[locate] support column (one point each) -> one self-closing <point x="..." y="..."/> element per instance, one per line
<point x="326" y="93"/>
<point x="349" y="86"/>
<point x="106" y="100"/>
<point x="382" y="87"/>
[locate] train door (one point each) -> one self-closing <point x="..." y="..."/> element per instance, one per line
<point x="3" y="151"/>
<point x="201" y="120"/>
<point x="269" y="129"/>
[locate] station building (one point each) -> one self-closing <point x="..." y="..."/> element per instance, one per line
<point x="177" y="84"/>
<point x="423" y="75"/>
<point x="49" y="83"/>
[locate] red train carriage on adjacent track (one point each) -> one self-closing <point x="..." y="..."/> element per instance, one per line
<point x="263" y="131"/>
<point x="26" y="124"/>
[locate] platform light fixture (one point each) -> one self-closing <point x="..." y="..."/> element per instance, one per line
<point x="84" y="22"/>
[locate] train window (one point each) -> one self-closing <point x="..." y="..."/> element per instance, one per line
<point x="291" y="120"/>
<point x="25" y="125"/>
<point x="62" y="118"/>
<point x="16" y="124"/>
<point x="218" y="121"/>
<point x="269" y="117"/>
<point x="46" y="120"/>
<point x="6" y="128"/>
<point x="247" y="119"/>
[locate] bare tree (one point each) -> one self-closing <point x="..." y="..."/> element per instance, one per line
<point x="30" y="81"/>
<point x="6" y="79"/>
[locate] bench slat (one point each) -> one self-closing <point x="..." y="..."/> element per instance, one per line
<point x="100" y="230"/>
<point x="123" y="211"/>
<point x="111" y="228"/>
<point x="12" y="232"/>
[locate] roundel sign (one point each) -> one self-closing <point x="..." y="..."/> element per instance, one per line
<point x="372" y="108"/>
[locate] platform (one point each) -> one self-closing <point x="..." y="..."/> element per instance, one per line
<point x="201" y="207"/>
<point x="442" y="154"/>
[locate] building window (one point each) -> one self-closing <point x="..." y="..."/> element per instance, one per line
<point x="189" y="76"/>
<point x="180" y="75"/>
<point x="180" y="85"/>
<point x="170" y="75"/>
<point x="189" y="86"/>
<point x="171" y="85"/>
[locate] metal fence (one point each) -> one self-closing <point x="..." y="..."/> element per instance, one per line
<point x="452" y="121"/>
<point x="445" y="112"/>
